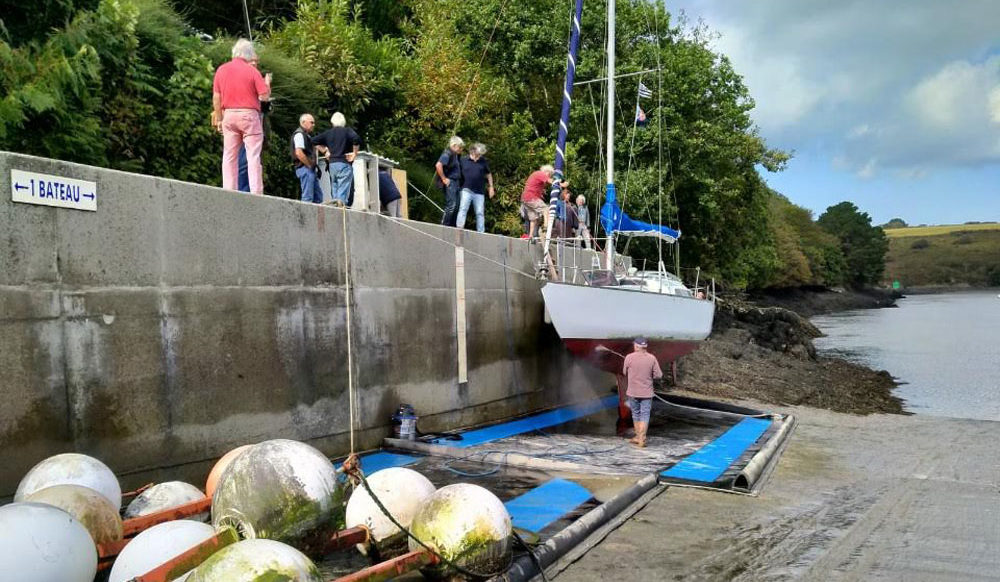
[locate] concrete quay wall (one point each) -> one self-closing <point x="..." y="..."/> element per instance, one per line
<point x="179" y="320"/>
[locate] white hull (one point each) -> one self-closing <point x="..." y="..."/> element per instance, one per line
<point x="596" y="313"/>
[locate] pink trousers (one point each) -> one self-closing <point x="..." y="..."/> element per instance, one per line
<point x="242" y="127"/>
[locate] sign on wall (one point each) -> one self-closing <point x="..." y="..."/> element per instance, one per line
<point x="49" y="190"/>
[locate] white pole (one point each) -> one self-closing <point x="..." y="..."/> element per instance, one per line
<point x="610" y="246"/>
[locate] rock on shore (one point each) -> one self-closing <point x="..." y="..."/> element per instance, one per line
<point x="766" y="353"/>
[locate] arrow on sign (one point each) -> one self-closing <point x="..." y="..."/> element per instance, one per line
<point x="20" y="187"/>
<point x="91" y="196"/>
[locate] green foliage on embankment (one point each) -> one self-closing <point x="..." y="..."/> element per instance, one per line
<point x="127" y="84"/>
<point x="945" y="256"/>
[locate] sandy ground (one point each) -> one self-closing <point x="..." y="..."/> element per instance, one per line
<point x="878" y="497"/>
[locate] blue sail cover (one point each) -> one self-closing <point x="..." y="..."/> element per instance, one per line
<point x="614" y="220"/>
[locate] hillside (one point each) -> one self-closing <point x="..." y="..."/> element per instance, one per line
<point x="913" y="231"/>
<point x="959" y="255"/>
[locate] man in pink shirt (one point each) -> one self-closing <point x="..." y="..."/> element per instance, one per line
<point x="640" y="368"/>
<point x="534" y="198"/>
<point x="237" y="91"/>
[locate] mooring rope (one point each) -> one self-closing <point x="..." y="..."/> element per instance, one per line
<point x="347" y="301"/>
<point x="467" y="251"/>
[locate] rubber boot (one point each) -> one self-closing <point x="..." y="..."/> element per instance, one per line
<point x="640" y="434"/>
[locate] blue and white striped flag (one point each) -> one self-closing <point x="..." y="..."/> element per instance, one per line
<point x="644" y="91"/>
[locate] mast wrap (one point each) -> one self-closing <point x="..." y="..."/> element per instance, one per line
<point x="560" y="163"/>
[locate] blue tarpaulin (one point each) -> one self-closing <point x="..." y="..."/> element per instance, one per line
<point x="711" y="461"/>
<point x="545" y="504"/>
<point x="614" y="220"/>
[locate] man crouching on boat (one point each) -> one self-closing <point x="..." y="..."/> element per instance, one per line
<point x="641" y="368"/>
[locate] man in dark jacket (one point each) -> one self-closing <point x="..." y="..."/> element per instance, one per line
<point x="305" y="162"/>
<point x="449" y="177"/>
<point x="388" y="194"/>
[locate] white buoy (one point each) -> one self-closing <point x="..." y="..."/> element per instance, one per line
<point x="220" y="467"/>
<point x="156" y="546"/>
<point x="71" y="469"/>
<point x="164" y="496"/>
<point x="256" y="561"/>
<point x="42" y="543"/>
<point x="87" y="506"/>
<point x="402" y="491"/>
<point x="280" y="490"/>
<point x="467" y="525"/>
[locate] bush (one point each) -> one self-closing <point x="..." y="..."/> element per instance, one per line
<point x="965" y="239"/>
<point x="921" y="243"/>
<point x="993" y="277"/>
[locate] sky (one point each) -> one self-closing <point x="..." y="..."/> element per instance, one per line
<point x="891" y="104"/>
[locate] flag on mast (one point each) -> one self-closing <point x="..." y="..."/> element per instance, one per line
<point x="644" y="91"/>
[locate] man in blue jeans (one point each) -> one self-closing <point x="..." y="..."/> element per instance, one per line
<point x="305" y="162"/>
<point x="475" y="177"/>
<point x="340" y="144"/>
<point x="449" y="177"/>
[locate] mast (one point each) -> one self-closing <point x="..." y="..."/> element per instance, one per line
<point x="560" y="163"/>
<point x="610" y="193"/>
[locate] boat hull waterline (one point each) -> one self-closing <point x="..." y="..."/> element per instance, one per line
<point x="598" y="324"/>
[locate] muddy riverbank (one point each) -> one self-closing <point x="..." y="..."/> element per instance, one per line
<point x="762" y="348"/>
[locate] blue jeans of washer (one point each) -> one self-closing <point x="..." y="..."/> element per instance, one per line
<point x="311" y="192"/>
<point x="640" y="407"/>
<point x="342" y="176"/>
<point x="479" y="202"/>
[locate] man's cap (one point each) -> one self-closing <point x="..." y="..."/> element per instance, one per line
<point x="641" y="341"/>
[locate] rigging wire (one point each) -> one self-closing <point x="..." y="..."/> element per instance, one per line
<point x="479" y="67"/>
<point x="246" y="15"/>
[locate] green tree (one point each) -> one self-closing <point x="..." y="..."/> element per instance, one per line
<point x="864" y="246"/>
<point x="895" y="223"/>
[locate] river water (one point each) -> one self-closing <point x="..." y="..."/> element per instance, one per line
<point x="945" y="348"/>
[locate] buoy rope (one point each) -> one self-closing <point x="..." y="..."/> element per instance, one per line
<point x="356" y="473"/>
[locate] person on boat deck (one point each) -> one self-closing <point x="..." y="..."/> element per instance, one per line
<point x="448" y="170"/>
<point x="475" y="177"/>
<point x="566" y="219"/>
<point x="534" y="198"/>
<point x="640" y="368"/>
<point x="583" y="217"/>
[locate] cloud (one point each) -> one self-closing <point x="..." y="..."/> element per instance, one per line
<point x="900" y="87"/>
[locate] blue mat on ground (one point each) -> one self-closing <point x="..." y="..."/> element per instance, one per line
<point x="381" y="460"/>
<point x="546" y="503"/>
<point x="538" y="421"/>
<point x="711" y="461"/>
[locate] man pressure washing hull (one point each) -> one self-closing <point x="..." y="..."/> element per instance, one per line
<point x="640" y="369"/>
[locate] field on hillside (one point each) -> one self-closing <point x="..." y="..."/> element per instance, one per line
<point x="957" y="255"/>
<point x="937" y="230"/>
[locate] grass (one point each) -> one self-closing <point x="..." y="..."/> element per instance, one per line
<point x="967" y="255"/>
<point x="939" y="230"/>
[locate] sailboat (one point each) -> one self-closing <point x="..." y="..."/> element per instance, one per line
<point x="599" y="319"/>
